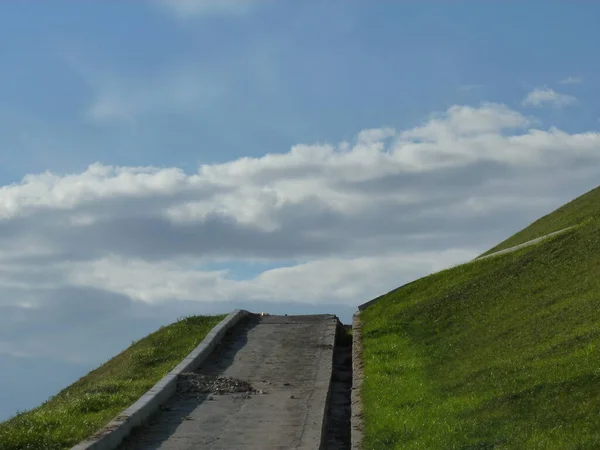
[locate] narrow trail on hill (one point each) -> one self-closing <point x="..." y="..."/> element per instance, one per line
<point x="264" y="387"/>
<point x="524" y="244"/>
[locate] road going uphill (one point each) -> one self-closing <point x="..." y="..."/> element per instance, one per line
<point x="265" y="387"/>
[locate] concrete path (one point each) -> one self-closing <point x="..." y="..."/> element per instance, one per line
<point x="524" y="244"/>
<point x="288" y="357"/>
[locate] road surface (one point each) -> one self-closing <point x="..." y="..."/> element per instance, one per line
<point x="288" y="358"/>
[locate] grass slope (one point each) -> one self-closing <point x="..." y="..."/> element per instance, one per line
<point x="500" y="353"/>
<point x="570" y="214"/>
<point x="90" y="403"/>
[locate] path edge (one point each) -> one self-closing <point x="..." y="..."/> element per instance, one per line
<point x="111" y="436"/>
<point x="325" y="422"/>
<point x="356" y="418"/>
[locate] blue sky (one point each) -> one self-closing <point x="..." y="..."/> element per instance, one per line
<point x="403" y="137"/>
<point x="279" y="74"/>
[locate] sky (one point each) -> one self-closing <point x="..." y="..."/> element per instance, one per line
<point x="166" y="158"/>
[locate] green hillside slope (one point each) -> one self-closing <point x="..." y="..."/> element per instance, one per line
<point x="499" y="353"/>
<point x="570" y="214"/>
<point x="90" y="403"/>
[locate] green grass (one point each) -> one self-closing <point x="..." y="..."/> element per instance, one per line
<point x="570" y="214"/>
<point x="90" y="403"/>
<point x="503" y="353"/>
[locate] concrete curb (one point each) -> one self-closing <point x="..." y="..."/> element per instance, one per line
<point x="356" y="419"/>
<point x="325" y="421"/>
<point x="113" y="434"/>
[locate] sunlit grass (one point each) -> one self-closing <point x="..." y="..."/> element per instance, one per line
<point x="500" y="353"/>
<point x="90" y="403"/>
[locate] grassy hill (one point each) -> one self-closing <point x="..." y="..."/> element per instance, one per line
<point x="499" y="353"/>
<point x="90" y="403"/>
<point x="570" y="214"/>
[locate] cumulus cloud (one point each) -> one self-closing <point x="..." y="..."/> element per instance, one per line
<point x="548" y="97"/>
<point x="338" y="279"/>
<point x="313" y="201"/>
<point x="332" y="225"/>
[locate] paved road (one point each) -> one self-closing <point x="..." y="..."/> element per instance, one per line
<point x="288" y="357"/>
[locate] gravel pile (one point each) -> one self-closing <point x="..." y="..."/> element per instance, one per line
<point x="192" y="383"/>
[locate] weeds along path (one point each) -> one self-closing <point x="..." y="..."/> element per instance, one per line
<point x="264" y="387"/>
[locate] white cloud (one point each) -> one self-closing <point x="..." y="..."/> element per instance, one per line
<point x="548" y="97"/>
<point x="571" y="80"/>
<point x="352" y="216"/>
<point x="317" y="228"/>
<point x="185" y="9"/>
<point x="256" y="192"/>
<point x="461" y="121"/>
<point x="340" y="280"/>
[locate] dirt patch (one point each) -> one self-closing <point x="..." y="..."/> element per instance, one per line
<point x="195" y="383"/>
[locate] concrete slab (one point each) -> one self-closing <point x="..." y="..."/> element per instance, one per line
<point x="357" y="423"/>
<point x="289" y="358"/>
